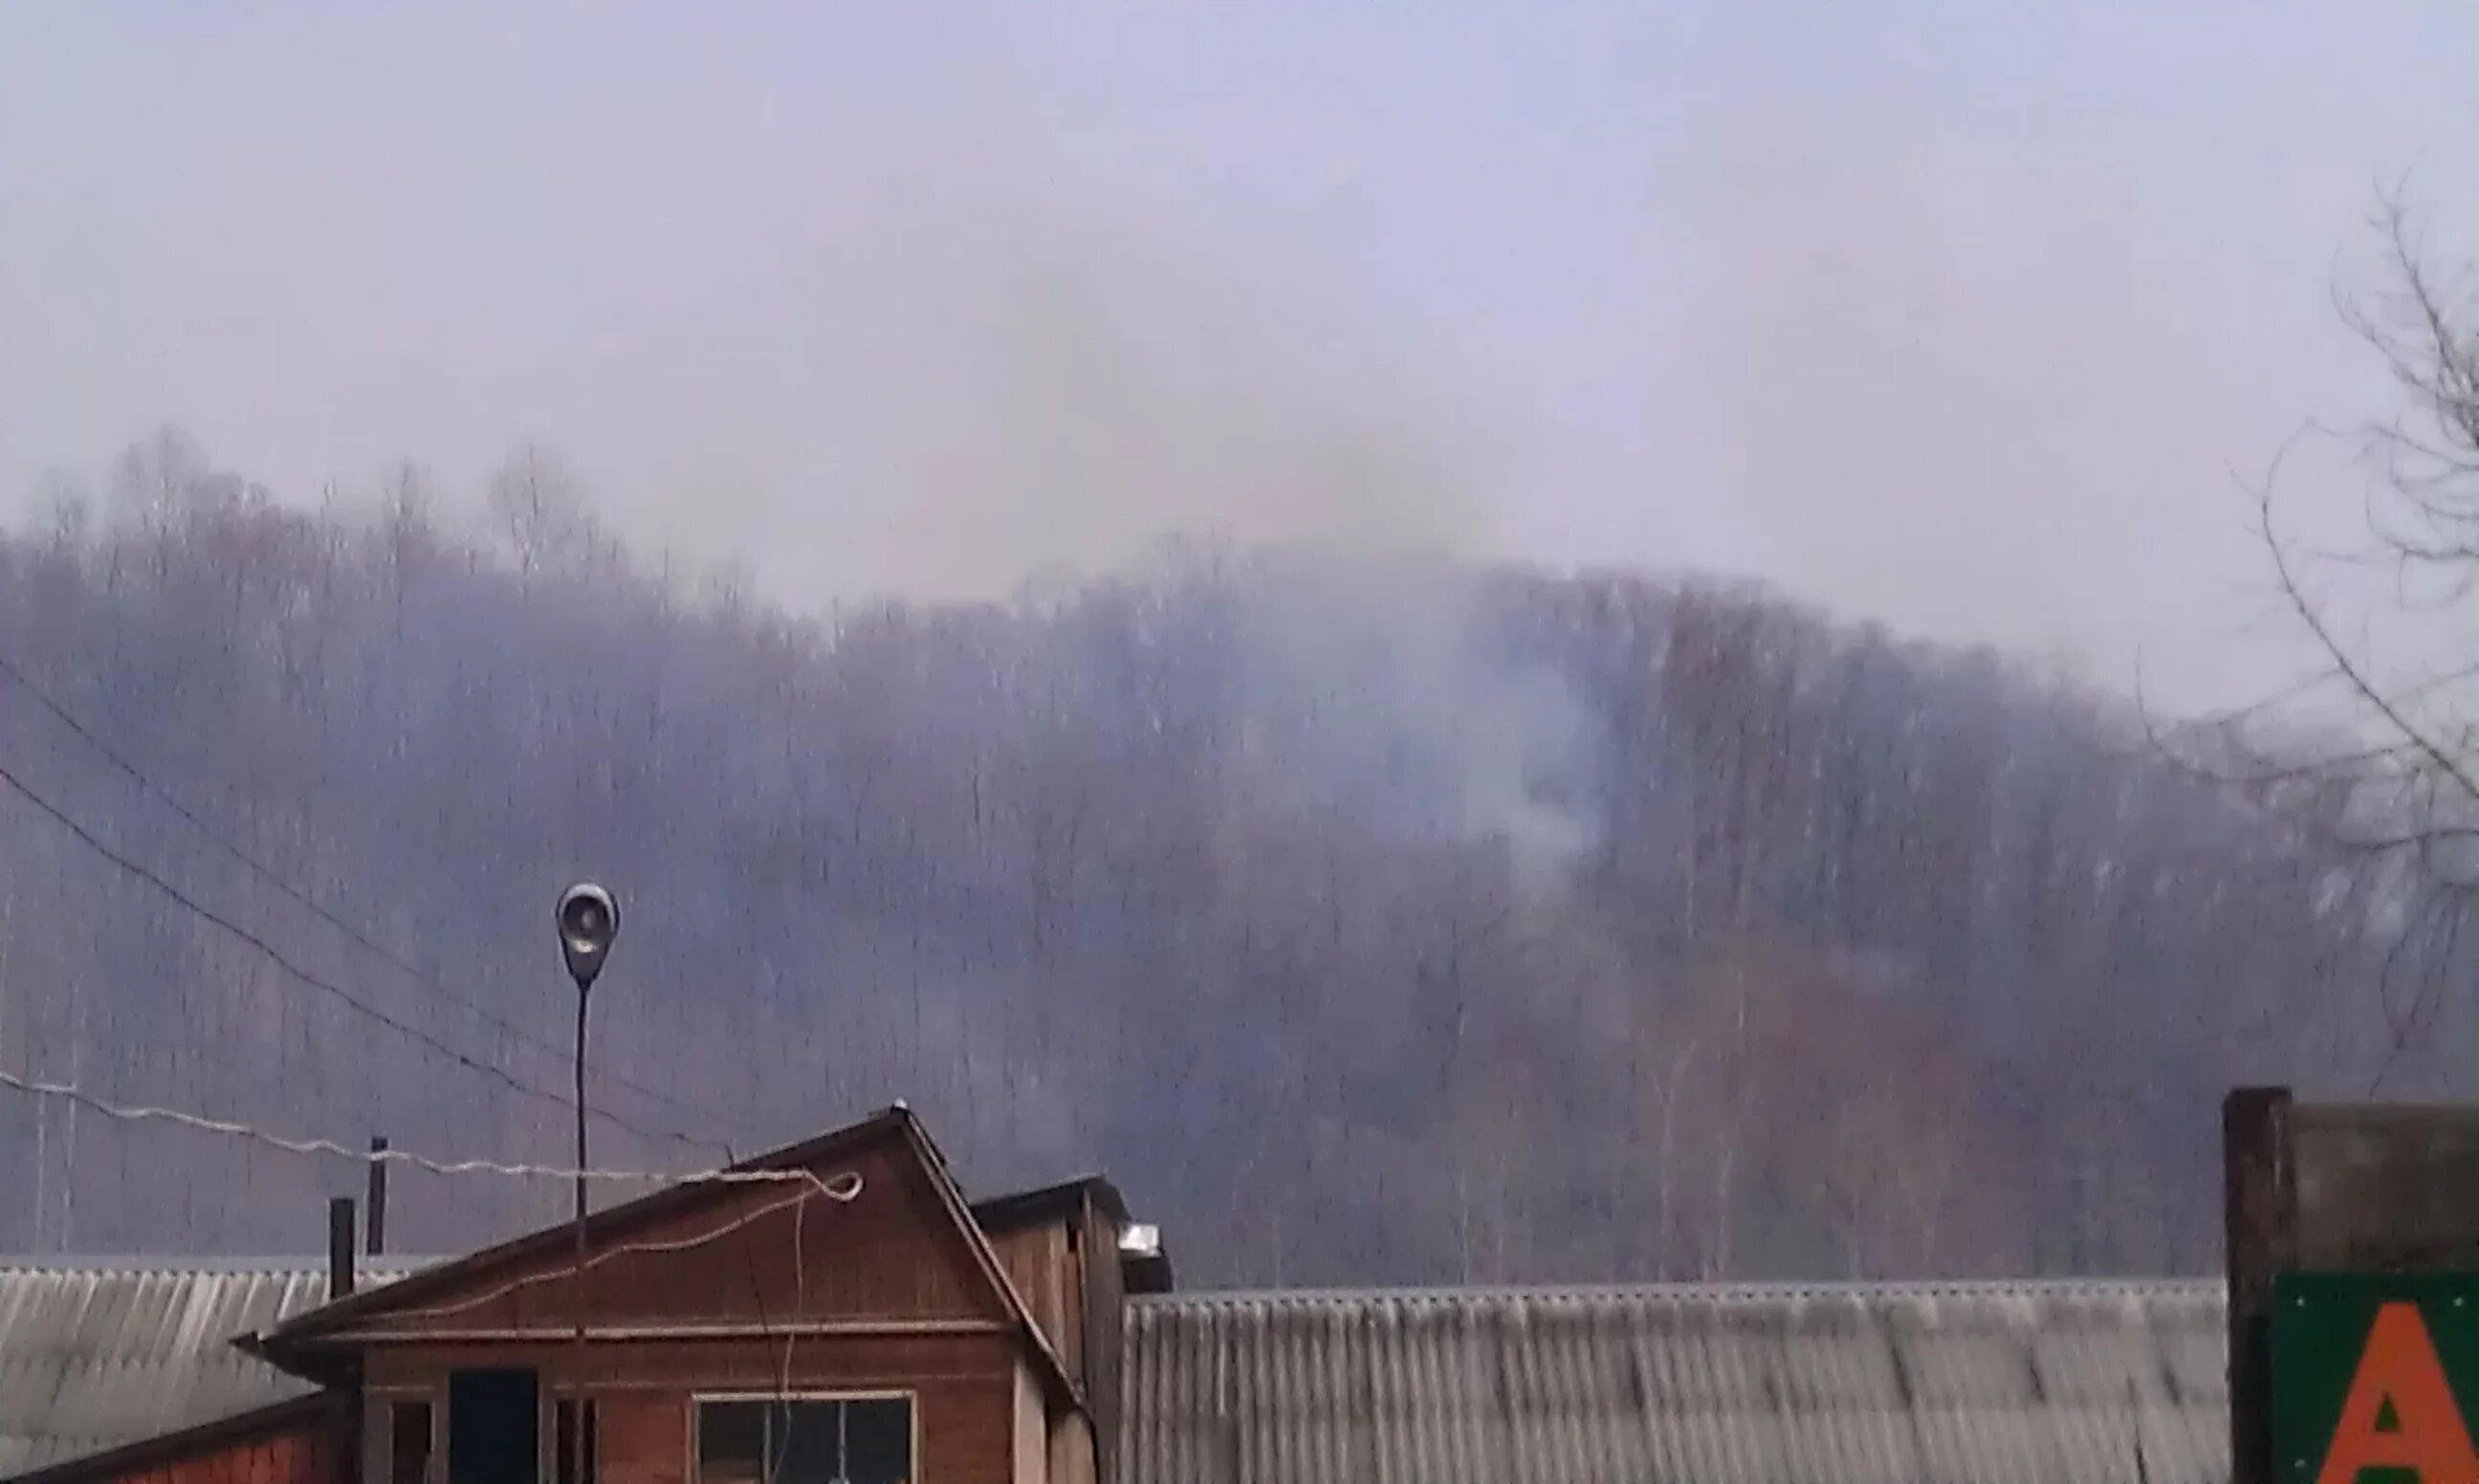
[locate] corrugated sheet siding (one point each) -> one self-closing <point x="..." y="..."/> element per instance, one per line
<point x="93" y="1355"/>
<point x="2041" y="1384"/>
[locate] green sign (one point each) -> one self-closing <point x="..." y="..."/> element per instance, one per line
<point x="2375" y="1380"/>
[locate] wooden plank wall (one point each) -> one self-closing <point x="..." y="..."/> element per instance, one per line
<point x="1067" y="1271"/>
<point x="1041" y="1262"/>
<point x="962" y="1388"/>
<point x="893" y="1253"/>
<point x="1103" y="1294"/>
<point x="315" y="1452"/>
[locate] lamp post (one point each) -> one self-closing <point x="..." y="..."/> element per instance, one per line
<point x="588" y="919"/>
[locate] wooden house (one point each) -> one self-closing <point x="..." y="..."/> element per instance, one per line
<point x="834" y="1311"/>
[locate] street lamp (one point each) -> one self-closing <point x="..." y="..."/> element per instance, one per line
<point x="589" y="919"/>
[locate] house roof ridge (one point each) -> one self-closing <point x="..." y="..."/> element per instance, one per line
<point x="1006" y="1205"/>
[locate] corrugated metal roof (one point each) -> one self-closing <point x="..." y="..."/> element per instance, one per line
<point x="2077" y="1383"/>
<point x="95" y="1353"/>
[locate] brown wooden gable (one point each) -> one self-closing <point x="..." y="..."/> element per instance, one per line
<point x="1060" y="1246"/>
<point x="711" y="1260"/>
<point x="1041" y="1260"/>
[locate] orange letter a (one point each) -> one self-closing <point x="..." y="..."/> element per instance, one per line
<point x="2400" y="1412"/>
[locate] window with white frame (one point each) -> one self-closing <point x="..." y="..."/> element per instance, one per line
<point x="805" y="1440"/>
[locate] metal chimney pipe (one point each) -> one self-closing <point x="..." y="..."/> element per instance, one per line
<point x="377" y="1233"/>
<point x="339" y="1247"/>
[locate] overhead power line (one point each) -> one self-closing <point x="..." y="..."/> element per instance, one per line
<point x="328" y="987"/>
<point x="277" y="880"/>
<point x="843" y="1187"/>
<point x="840" y="1187"/>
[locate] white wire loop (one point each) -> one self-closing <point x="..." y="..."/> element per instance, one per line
<point x="841" y="1187"/>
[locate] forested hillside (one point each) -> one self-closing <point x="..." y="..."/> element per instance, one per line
<point x="1367" y="920"/>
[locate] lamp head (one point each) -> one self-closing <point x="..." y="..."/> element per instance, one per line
<point x="589" y="919"/>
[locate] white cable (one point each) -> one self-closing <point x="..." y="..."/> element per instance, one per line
<point x="843" y="1189"/>
<point x="791" y="1337"/>
<point x="832" y="1189"/>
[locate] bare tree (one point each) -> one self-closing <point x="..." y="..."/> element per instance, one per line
<point x="2375" y="748"/>
<point x="538" y="507"/>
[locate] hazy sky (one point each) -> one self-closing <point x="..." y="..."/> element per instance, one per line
<point x="1953" y="314"/>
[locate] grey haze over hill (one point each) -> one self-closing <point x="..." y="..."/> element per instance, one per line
<point x="1368" y="919"/>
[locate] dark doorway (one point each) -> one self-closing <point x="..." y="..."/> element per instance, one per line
<point x="409" y="1443"/>
<point x="494" y="1419"/>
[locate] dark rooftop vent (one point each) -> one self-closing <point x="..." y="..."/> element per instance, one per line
<point x="339" y="1247"/>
